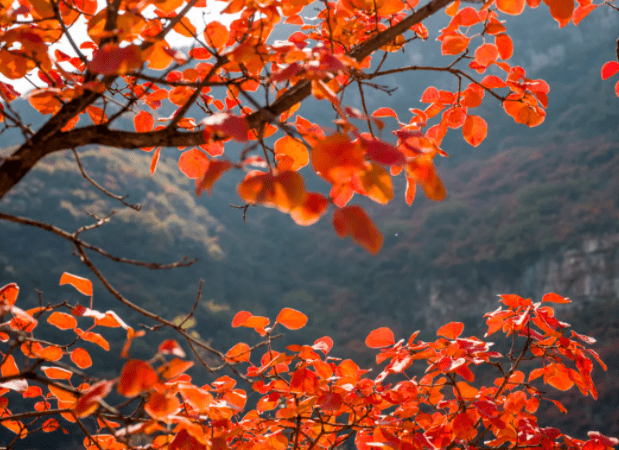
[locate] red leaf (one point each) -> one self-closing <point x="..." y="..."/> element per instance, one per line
<point x="193" y="163"/>
<point x="83" y="285"/>
<point x="8" y="294"/>
<point x="62" y="321"/>
<point x="464" y="427"/>
<point x="609" y="69"/>
<point x="226" y="124"/>
<point x="561" y="10"/>
<point x="383" y="152"/>
<point x="136" y="377"/>
<point x="555" y="298"/>
<point x="381" y="337"/>
<point x="353" y="221"/>
<point x="171" y="347"/>
<point x="291" y="318"/>
<point x="112" y="59"/>
<point x="451" y="331"/>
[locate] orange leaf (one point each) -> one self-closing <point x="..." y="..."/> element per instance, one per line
<point x="290" y="154"/>
<point x="581" y="12"/>
<point x="193" y="163"/>
<point x="513" y="7"/>
<point x="311" y="210"/>
<point x="51" y="353"/>
<point x="353" y="221"/>
<point x="454" y="44"/>
<point x="185" y="28"/>
<point x="216" y="35"/>
<point x="8" y="294"/>
<point x="143" y="122"/>
<point x="248" y="320"/>
<point x="154" y="160"/>
<point x="62" y="321"/>
<point x="474" y="130"/>
<point x="240" y="318"/>
<point x="375" y="183"/>
<point x="522" y="112"/>
<point x="422" y="171"/>
<point x="112" y="59"/>
<point x="56" y="373"/>
<point x="50" y="425"/>
<point x="291" y="318"/>
<point x="430" y="95"/>
<point x="609" y="69"/>
<point x="385" y="112"/>
<point x="411" y="188"/>
<point x="284" y="191"/>
<point x="240" y="352"/>
<point x="486" y="54"/>
<point x="174" y="368"/>
<point x="381" y="337"/>
<point x="336" y="158"/>
<point x="45" y="101"/>
<point x="505" y="45"/>
<point x="89" y="401"/>
<point x="451" y="331"/>
<point x="215" y="170"/>
<point x="83" y="285"/>
<point x="161" y="405"/>
<point x="95" y="338"/>
<point x="81" y="358"/>
<point x="136" y="377"/>
<point x="8" y="367"/>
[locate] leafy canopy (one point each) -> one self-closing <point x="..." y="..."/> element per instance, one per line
<point x="306" y="399"/>
<point x="236" y="83"/>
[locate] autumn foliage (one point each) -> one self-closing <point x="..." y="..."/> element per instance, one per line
<point x="234" y="83"/>
<point x="236" y="96"/>
<point x="304" y="396"/>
